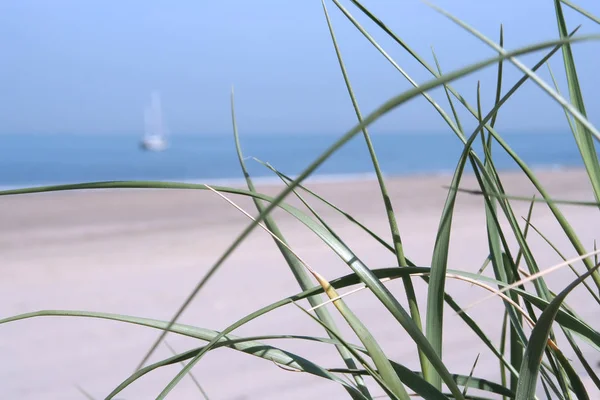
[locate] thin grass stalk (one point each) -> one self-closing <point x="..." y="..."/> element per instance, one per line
<point x="192" y="377"/>
<point x="503" y="335"/>
<point x="583" y="136"/>
<point x="295" y="265"/>
<point x="391" y="216"/>
<point x="564" y="258"/>
<point x="581" y="11"/>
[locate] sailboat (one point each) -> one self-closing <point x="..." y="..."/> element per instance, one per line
<point x="155" y="130"/>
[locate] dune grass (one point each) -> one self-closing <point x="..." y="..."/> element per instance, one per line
<point x="535" y="364"/>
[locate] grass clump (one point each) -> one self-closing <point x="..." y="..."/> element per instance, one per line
<point x="535" y="363"/>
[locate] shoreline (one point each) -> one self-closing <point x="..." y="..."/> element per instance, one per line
<point x="313" y="179"/>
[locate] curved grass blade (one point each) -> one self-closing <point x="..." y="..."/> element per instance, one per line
<point x="391" y="216"/>
<point x="295" y="265"/>
<point x="566" y="319"/>
<point x="253" y="348"/>
<point x="414" y="380"/>
<point x="537" y="343"/>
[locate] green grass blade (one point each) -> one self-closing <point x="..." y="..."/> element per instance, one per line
<point x="84" y="393"/>
<point x="394" y="230"/>
<point x="559" y="253"/>
<point x="470" y="375"/>
<point x="525" y="230"/>
<point x="576" y="384"/>
<point x="192" y="377"/>
<point x="456" y="128"/>
<point x="565" y="319"/>
<point x="588" y="368"/>
<point x="439" y="263"/>
<point x="537" y="343"/>
<point x="546" y="391"/>
<point x="581" y="11"/>
<point x="557" y="88"/>
<point x="378" y="375"/>
<point x="381" y="361"/>
<point x="253" y="348"/>
<point x="524" y="198"/>
<point x="460" y="132"/>
<point x="503" y="337"/>
<point x="499" y="78"/>
<point x="287" y="180"/>
<point x="583" y="136"/>
<point x="295" y="265"/>
<point x="250" y="346"/>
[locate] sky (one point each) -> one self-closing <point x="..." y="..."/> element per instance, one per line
<point x="89" y="67"/>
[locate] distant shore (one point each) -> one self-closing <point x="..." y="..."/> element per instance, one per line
<point x="271" y="180"/>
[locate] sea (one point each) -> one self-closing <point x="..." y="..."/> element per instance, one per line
<point x="47" y="159"/>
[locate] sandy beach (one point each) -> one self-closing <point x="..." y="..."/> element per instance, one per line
<point x="140" y="253"/>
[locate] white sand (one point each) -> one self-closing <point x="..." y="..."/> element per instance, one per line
<point x="141" y="252"/>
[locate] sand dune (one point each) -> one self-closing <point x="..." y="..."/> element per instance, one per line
<point x="141" y="252"/>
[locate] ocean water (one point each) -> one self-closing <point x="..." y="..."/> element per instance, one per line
<point x="56" y="159"/>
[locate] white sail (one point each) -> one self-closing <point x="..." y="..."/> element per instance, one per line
<point x="154" y="127"/>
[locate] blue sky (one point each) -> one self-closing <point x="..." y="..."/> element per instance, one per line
<point x="77" y="66"/>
